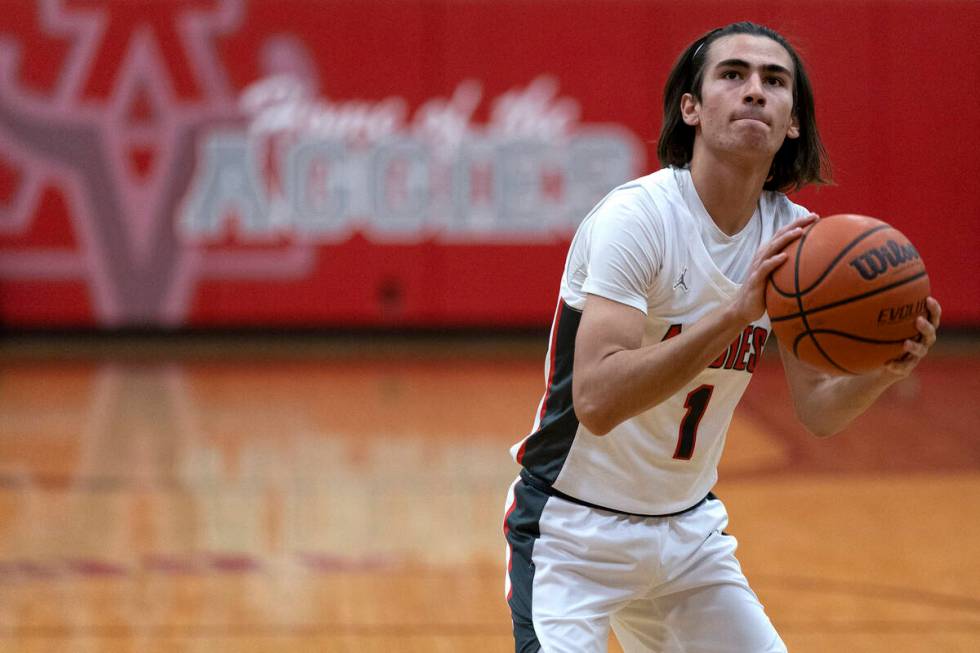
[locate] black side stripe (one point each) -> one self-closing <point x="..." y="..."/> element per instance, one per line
<point x="522" y="528"/>
<point x="546" y="449"/>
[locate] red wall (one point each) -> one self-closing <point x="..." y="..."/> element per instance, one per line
<point x="109" y="112"/>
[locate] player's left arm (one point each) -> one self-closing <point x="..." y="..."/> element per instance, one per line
<point x="825" y="403"/>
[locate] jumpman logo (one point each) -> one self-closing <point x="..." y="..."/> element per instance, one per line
<point x="680" y="280"/>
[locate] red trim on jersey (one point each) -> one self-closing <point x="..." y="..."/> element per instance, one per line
<point x="513" y="504"/>
<point x="510" y="549"/>
<point x="673" y="330"/>
<point x="520" y="452"/>
<point x="552" y="351"/>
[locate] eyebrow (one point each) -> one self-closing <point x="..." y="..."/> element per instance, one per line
<point x="742" y="63"/>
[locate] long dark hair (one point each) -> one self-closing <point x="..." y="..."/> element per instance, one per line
<point x="800" y="161"/>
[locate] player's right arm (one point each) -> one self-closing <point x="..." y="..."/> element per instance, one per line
<point x="616" y="378"/>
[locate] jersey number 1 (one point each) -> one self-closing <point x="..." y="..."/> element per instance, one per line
<point x="696" y="403"/>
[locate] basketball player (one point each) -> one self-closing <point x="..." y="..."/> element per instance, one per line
<point x="660" y="323"/>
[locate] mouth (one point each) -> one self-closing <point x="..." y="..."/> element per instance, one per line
<point x="758" y="119"/>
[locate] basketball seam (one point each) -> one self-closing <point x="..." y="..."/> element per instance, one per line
<point x="852" y="336"/>
<point x="808" y="332"/>
<point x="804" y="312"/>
<point x="772" y="280"/>
<point x="799" y="303"/>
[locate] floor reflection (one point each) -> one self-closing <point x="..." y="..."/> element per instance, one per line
<point x="310" y="498"/>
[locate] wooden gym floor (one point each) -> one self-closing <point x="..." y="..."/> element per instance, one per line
<point x="261" y="495"/>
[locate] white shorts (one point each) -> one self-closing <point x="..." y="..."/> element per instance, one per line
<point x="665" y="584"/>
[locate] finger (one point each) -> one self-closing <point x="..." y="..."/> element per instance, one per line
<point x="915" y="349"/>
<point x="927" y="332"/>
<point x="899" y="367"/>
<point x="805" y="220"/>
<point x="784" y="236"/>
<point x="764" y="269"/>
<point x="780" y="241"/>
<point x="799" y="223"/>
<point x="904" y="364"/>
<point x="935" y="311"/>
<point x="769" y="264"/>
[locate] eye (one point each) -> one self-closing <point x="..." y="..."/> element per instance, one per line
<point x="775" y="81"/>
<point x="731" y="74"/>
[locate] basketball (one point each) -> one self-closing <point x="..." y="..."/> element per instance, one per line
<point x="848" y="295"/>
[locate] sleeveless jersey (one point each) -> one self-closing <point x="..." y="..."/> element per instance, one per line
<point x="642" y="246"/>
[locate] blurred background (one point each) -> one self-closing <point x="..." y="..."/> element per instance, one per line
<point x="276" y="279"/>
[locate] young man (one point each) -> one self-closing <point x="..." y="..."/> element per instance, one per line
<point x="660" y="323"/>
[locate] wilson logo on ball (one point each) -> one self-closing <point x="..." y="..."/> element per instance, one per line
<point x="876" y="261"/>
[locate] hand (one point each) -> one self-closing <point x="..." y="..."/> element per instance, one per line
<point x="915" y="350"/>
<point x="750" y="302"/>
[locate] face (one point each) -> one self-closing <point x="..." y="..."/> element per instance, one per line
<point x="746" y="106"/>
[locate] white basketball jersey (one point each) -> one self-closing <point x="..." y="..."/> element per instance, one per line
<point x="642" y="246"/>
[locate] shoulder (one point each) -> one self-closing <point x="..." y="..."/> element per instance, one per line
<point x="644" y="202"/>
<point x="618" y="248"/>
<point x="632" y="215"/>
<point x="662" y="187"/>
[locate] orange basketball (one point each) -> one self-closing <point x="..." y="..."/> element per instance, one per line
<point x="847" y="297"/>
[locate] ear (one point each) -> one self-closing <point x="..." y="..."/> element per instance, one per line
<point x="690" y="110"/>
<point x="794" y="127"/>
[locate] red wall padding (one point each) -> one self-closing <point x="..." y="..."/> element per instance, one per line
<point x="108" y="111"/>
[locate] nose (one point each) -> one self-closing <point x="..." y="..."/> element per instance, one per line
<point x="753" y="91"/>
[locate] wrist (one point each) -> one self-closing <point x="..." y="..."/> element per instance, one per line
<point x="884" y="377"/>
<point x="731" y="319"/>
<point x="871" y="384"/>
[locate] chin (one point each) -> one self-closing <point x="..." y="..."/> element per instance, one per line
<point x="755" y="147"/>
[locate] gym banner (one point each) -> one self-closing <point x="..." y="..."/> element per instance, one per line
<point x="197" y="163"/>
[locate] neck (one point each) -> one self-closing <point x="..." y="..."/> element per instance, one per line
<point x="729" y="190"/>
